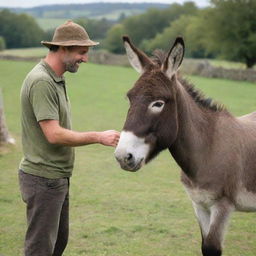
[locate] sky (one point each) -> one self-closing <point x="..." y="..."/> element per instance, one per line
<point x="33" y="3"/>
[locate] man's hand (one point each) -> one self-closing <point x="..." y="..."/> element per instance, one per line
<point x="55" y="134"/>
<point x="109" y="138"/>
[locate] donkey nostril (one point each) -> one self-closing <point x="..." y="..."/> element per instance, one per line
<point x="129" y="157"/>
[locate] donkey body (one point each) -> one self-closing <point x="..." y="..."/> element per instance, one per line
<point x="215" y="150"/>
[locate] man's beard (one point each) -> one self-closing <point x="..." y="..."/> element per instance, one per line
<point x="72" y="67"/>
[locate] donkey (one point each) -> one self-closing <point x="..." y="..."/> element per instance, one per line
<point x="215" y="150"/>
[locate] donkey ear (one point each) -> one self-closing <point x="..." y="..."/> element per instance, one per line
<point x="138" y="60"/>
<point x="174" y="57"/>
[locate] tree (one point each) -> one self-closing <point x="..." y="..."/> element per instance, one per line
<point x="232" y="30"/>
<point x="190" y="28"/>
<point x="163" y="40"/>
<point x="195" y="39"/>
<point x="147" y="25"/>
<point x="97" y="29"/>
<point x="113" y="41"/>
<point x="19" y="30"/>
<point x="154" y="21"/>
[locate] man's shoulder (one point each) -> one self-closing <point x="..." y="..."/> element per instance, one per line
<point x="37" y="76"/>
<point x="38" y="73"/>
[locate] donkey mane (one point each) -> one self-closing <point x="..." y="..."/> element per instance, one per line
<point x="200" y="98"/>
<point x="158" y="59"/>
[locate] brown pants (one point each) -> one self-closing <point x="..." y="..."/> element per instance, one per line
<point x="47" y="203"/>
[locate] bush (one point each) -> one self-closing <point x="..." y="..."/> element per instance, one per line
<point x="19" y="30"/>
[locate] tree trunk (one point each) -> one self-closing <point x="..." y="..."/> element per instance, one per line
<point x="4" y="134"/>
<point x="250" y="62"/>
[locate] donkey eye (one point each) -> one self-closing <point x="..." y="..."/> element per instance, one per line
<point x="156" y="106"/>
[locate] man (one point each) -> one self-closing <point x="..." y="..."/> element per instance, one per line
<point x="47" y="141"/>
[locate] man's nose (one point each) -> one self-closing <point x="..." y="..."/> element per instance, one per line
<point x="85" y="58"/>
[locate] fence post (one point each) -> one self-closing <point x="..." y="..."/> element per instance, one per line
<point x="4" y="134"/>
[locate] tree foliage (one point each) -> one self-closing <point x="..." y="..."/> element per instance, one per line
<point x="226" y="29"/>
<point x="146" y="26"/>
<point x="154" y="21"/>
<point x="190" y="27"/>
<point x="113" y="41"/>
<point x="19" y="30"/>
<point x="97" y="29"/>
<point x="232" y="30"/>
<point x="164" y="40"/>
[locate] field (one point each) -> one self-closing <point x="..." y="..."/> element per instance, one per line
<point x="50" y="23"/>
<point x="41" y="51"/>
<point x="113" y="212"/>
<point x="27" y="52"/>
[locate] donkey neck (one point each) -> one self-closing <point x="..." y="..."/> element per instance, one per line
<point x="196" y="128"/>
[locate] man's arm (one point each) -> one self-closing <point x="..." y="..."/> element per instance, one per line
<point x="55" y="134"/>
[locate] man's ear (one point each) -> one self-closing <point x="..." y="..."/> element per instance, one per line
<point x="174" y="58"/>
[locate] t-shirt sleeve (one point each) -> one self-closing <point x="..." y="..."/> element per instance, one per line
<point x="44" y="101"/>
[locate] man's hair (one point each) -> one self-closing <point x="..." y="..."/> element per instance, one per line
<point x="54" y="48"/>
<point x="70" y="48"/>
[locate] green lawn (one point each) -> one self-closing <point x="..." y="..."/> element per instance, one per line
<point x="26" y="52"/>
<point x="113" y="212"/>
<point x="227" y="64"/>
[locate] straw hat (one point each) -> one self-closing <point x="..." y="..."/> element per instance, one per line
<point x="70" y="34"/>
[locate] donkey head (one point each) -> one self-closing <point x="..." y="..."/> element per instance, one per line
<point x="151" y="124"/>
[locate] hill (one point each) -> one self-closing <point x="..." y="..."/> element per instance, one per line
<point x="91" y="10"/>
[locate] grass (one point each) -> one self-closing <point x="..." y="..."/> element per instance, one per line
<point x="117" y="213"/>
<point x="26" y="52"/>
<point x="227" y="64"/>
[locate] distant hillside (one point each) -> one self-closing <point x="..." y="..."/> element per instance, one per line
<point x="91" y="10"/>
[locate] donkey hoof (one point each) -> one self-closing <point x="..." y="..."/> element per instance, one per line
<point x="211" y="251"/>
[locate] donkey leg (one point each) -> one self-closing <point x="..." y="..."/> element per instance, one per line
<point x="203" y="217"/>
<point x="219" y="215"/>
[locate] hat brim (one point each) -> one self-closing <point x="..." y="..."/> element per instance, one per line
<point x="70" y="43"/>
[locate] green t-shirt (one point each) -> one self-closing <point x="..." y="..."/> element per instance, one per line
<point x="43" y="96"/>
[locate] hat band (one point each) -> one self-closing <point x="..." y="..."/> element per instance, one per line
<point x="71" y="43"/>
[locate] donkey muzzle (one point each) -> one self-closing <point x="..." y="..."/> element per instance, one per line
<point x="131" y="151"/>
<point x="128" y="162"/>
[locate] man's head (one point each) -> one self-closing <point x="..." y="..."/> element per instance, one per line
<point x="72" y="56"/>
<point x="70" y="34"/>
<point x="71" y="43"/>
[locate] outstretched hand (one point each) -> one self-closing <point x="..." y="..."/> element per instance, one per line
<point x="109" y="138"/>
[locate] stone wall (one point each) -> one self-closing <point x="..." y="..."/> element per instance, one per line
<point x="189" y="66"/>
